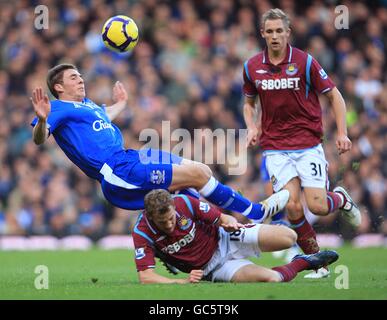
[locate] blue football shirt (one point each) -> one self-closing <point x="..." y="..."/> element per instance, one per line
<point x="85" y="133"/>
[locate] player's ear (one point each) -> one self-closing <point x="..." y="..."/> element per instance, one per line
<point x="262" y="34"/>
<point x="58" y="88"/>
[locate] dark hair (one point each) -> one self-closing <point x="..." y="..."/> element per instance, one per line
<point x="55" y="75"/>
<point x="158" y="202"/>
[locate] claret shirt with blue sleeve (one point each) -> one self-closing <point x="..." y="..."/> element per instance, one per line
<point x="85" y="134"/>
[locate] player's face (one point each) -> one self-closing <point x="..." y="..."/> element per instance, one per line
<point x="73" y="87"/>
<point x="276" y="35"/>
<point x="166" y="222"/>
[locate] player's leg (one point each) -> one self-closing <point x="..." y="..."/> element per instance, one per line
<point x="316" y="261"/>
<point x="306" y="236"/>
<point x="312" y="168"/>
<point x="259" y="238"/>
<point x="285" y="273"/>
<point x="316" y="201"/>
<point x="322" y="202"/>
<point x="284" y="175"/>
<point x="199" y="176"/>
<point x="256" y="273"/>
<point x="275" y="237"/>
<point x="278" y="218"/>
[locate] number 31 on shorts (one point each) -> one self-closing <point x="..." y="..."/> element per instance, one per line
<point x="316" y="169"/>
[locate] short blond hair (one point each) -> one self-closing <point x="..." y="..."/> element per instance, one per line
<point x="158" y="202"/>
<point x="274" y="14"/>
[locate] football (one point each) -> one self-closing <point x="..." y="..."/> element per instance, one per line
<point x="120" y="33"/>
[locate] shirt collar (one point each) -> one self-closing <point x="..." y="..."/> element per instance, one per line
<point x="149" y="223"/>
<point x="287" y="59"/>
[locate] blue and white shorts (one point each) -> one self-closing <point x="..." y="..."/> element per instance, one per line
<point x="130" y="175"/>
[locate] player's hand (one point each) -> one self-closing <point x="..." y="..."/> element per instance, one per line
<point x="229" y="223"/>
<point x="119" y="93"/>
<point x="343" y="144"/>
<point x="252" y="136"/>
<point x="195" y="276"/>
<point x="41" y="103"/>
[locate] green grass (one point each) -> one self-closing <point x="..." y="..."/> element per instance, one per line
<point x="71" y="276"/>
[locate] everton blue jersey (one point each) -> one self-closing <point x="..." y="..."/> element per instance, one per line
<point x="85" y="134"/>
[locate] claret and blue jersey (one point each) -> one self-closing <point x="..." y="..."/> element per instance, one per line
<point x="288" y="93"/>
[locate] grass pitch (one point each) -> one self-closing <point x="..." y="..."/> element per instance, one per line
<point x="98" y="274"/>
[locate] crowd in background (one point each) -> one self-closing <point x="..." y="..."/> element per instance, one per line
<point x="187" y="69"/>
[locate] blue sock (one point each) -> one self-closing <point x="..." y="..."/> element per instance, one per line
<point x="226" y="198"/>
<point x="279" y="218"/>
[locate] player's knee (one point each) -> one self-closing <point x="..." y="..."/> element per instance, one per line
<point x="294" y="206"/>
<point x="206" y="170"/>
<point x="290" y="237"/>
<point x="202" y="173"/>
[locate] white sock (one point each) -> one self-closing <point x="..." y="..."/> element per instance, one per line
<point x="209" y="187"/>
<point x="342" y="199"/>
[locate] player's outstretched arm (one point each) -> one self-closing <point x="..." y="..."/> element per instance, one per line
<point x="343" y="144"/>
<point x="42" y="108"/>
<point x="149" y="276"/>
<point x="120" y="97"/>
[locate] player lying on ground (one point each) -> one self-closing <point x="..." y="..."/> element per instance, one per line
<point x="86" y="134"/>
<point x="198" y="239"/>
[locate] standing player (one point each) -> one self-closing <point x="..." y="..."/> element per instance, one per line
<point x="198" y="239"/>
<point x="86" y="134"/>
<point x="288" y="81"/>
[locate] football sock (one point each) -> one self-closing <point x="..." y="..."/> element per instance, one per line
<point x="306" y="236"/>
<point x="227" y="198"/>
<point x="289" y="271"/>
<point x="278" y="218"/>
<point x="335" y="201"/>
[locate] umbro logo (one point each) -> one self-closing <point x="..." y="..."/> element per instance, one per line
<point x="160" y="238"/>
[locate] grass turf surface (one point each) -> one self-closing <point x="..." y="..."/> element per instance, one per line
<point x="98" y="274"/>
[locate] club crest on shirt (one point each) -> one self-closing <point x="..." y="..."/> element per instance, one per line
<point x="292" y="69"/>
<point x="184" y="223"/>
<point x="157" y="176"/>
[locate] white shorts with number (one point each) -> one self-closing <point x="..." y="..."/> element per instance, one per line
<point x="232" y="253"/>
<point x="308" y="164"/>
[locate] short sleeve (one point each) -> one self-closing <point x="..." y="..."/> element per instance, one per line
<point x="319" y="78"/>
<point x="249" y="89"/>
<point x="204" y="211"/>
<point x="144" y="253"/>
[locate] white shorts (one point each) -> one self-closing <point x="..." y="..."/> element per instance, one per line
<point x="309" y="165"/>
<point x="232" y="253"/>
